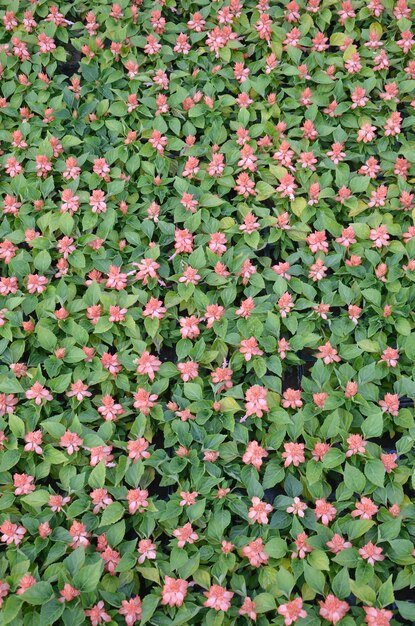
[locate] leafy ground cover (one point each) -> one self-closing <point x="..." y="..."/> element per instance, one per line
<point x="207" y="336"/>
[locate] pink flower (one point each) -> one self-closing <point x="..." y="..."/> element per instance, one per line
<point x="188" y="498"/>
<point x="259" y="510"/>
<point x="158" y="141"/>
<point x="379" y="236"/>
<point x="320" y="450"/>
<point x="287" y="186"/>
<point x="390" y="404"/>
<point x="292" y="399"/>
<point x="227" y="547"/>
<point x="365" y="509"/>
<point x="332" y="609"/>
<point x="388" y="461"/>
<point x="218" y="598"/>
<point x="71" y="441"/>
<point x="292" y="611"/>
<point x="317" y="241"/>
<point x="97" y="614"/>
<point x="44" y="530"/>
<point x="148" y="365"/>
<point x="38" y="393"/>
<point x="248" y="608"/>
<point x="185" y="535"/>
<point x="68" y="593"/>
<point x="33" y="441"/>
<point x="351" y="389"/>
<point x="144" y="400"/>
<point x="11" y="533"/>
<point x="116" y="279"/>
<point x="189" y="327"/>
<point x="111" y="559"/>
<point x="137" y="500"/>
<point x="371" y="553"/>
<point x="302" y="546"/>
<point x="154" y="309"/>
<point x="110" y="409"/>
<point x="337" y="544"/>
<point x="325" y="511"/>
<point x="137" y="449"/>
<point x="297" y="507"/>
<point x="101" y="453"/>
<point x="377" y="617"/>
<point x="256" y="401"/>
<point x="319" y="399"/>
<point x="390" y="356"/>
<point x="131" y="610"/>
<point x="328" y="354"/>
<point x="294" y="454"/>
<point x="254" y="455"/>
<point x="100" y="499"/>
<point x="245" y="186"/>
<point x="147" y="550"/>
<point x="357" y="445"/>
<point x="222" y="375"/>
<point x="23" y="484"/>
<point x="255" y="553"/>
<point x="79" y="391"/>
<point x="97" y="202"/>
<point x="25" y="583"/>
<point x="56" y="502"/>
<point x="188" y="371"/>
<point x="366" y="133"/>
<point x="174" y="591"/>
<point x="283" y="348"/>
<point x="79" y="534"/>
<point x="249" y="348"/>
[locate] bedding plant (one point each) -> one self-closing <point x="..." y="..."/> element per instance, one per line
<point x="207" y="329"/>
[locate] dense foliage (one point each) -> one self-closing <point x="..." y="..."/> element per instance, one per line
<point x="207" y="329"/>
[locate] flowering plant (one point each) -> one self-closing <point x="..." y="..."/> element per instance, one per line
<point x="207" y="334"/>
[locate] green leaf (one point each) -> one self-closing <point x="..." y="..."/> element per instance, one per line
<point x="37" y="498"/>
<point x="409" y="346"/>
<point x="218" y="522"/>
<point x="46" y="338"/>
<point x="285" y="581"/>
<point x="375" y="472"/>
<point x="149" y="605"/>
<point x="406" y="610"/>
<point x="264" y="602"/>
<point x="314" y="578"/>
<point x="38" y="594"/>
<point x="264" y="190"/>
<point x="276" y="548"/>
<point x="192" y="391"/>
<point x="10" y="385"/>
<point x="341" y="584"/>
<point x="97" y="476"/>
<point x="385" y="593"/>
<point x="150" y="573"/>
<point x="87" y="579"/>
<point x="10" y="609"/>
<point x="112" y="514"/>
<point x="373" y="425"/>
<point x="365" y="593"/>
<point x="8" y="459"/>
<point x="51" y="612"/>
<point x="357" y="528"/>
<point x="354" y="479"/>
<point x="372" y="296"/>
<point x="319" y="560"/>
<point x="75" y="561"/>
